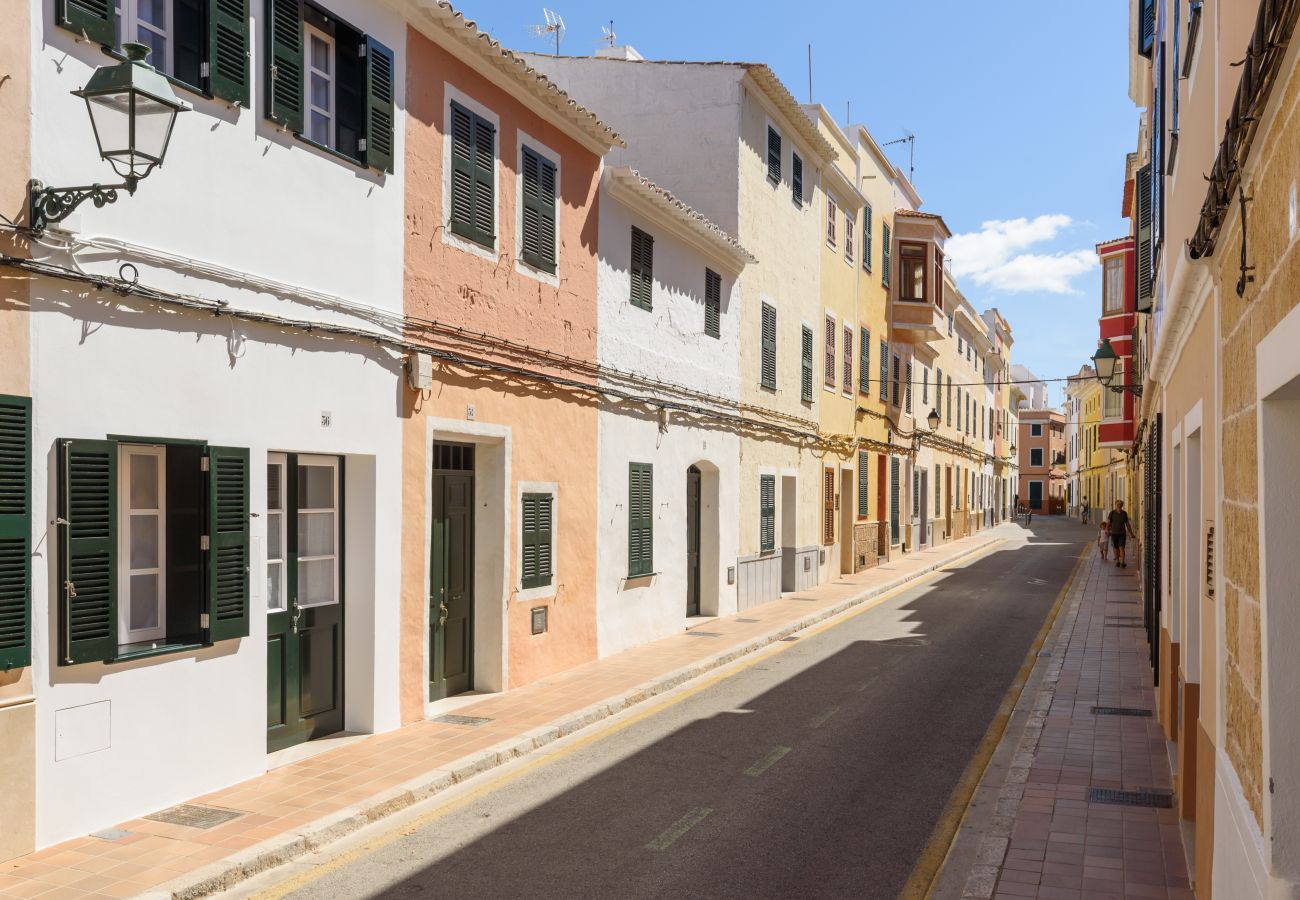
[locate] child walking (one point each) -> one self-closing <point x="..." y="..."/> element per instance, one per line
<point x="1103" y="541"/>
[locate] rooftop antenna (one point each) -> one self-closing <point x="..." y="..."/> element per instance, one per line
<point x="607" y="35"/>
<point x="810" y="93"/>
<point x="554" y="26"/>
<point x="910" y="140"/>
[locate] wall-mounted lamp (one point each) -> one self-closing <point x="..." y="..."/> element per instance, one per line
<point x="1106" y="362"/>
<point x="933" y="420"/>
<point x="132" y="110"/>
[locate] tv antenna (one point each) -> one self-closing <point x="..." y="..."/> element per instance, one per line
<point x="607" y="35"/>
<point x="910" y="140"/>
<point x="554" y="26"/>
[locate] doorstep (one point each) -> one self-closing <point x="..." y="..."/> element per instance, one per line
<point x="309" y="803"/>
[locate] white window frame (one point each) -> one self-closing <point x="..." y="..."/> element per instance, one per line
<point x="331" y="462"/>
<point x="452" y="94"/>
<point x="282" y="461"/>
<point x="129" y="25"/>
<point x="1039" y="451"/>
<point x="125" y="635"/>
<point x="1112" y="294"/>
<point x="308" y="32"/>
<point x="542" y="592"/>
<point x="1036" y="429"/>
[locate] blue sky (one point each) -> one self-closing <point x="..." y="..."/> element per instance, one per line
<point x="1019" y="107"/>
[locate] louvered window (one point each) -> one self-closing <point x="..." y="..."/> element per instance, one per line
<point x="767" y="349"/>
<point x="537" y="243"/>
<point x="473" y="176"/>
<point x="866" y="238"/>
<point x="139" y="569"/>
<point x="796" y="178"/>
<point x="806" y="365"/>
<point x="712" y="304"/>
<point x="767" y="513"/>
<point x="864" y="364"/>
<point x="848" y="360"/>
<point x="15" y="531"/>
<point x="907" y="389"/>
<point x="536" y="540"/>
<point x="896" y="373"/>
<point x="884" y="370"/>
<point x="828" y="352"/>
<point x="894" y="502"/>
<point x="864" y="492"/>
<point x="831" y="214"/>
<point x="828" y="506"/>
<point x="1142" y="262"/>
<point x="886" y="253"/>
<point x="938" y="392"/>
<point x="642" y="269"/>
<point x="948" y="400"/>
<point x="773" y="155"/>
<point x="850" y="226"/>
<point x="640" y="520"/>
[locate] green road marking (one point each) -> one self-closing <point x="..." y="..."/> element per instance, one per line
<point x="679" y="828"/>
<point x="768" y="761"/>
<point x="821" y="719"/>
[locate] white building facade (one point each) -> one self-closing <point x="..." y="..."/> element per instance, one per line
<point x="216" y="455"/>
<point x="668" y="504"/>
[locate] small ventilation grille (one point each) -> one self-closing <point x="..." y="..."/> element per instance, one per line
<point x="1120" y="711"/>
<point x="192" y="815"/>
<point x="472" y="721"/>
<point x="1209" y="561"/>
<point x="1156" y="799"/>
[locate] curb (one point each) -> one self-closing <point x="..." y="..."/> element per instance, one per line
<point x="274" y="852"/>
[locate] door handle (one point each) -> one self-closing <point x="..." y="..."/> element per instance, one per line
<point x="442" y="610"/>
<point x="296" y="613"/>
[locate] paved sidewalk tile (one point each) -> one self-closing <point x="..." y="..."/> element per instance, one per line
<point x="1058" y="843"/>
<point x="288" y="810"/>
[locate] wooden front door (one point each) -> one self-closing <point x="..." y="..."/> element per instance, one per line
<point x="692" y="541"/>
<point x="451" y="572"/>
<point x="304" y="621"/>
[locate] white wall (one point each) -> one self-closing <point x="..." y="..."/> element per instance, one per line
<point x="236" y="206"/>
<point x="666" y="343"/>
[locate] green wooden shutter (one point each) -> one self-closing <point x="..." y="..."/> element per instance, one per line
<point x="87" y="531"/>
<point x="1142" y="261"/>
<point x="773" y="156"/>
<point x="796" y="178"/>
<point x="228" y="50"/>
<point x="379" y="106"/>
<point x="228" y="543"/>
<point x="864" y="364"/>
<point x="462" y="171"/>
<point x="884" y="370"/>
<point x="96" y="19"/>
<point x="885" y="252"/>
<point x="866" y="238"/>
<point x="537" y="243"/>
<point x="806" y="365"/>
<point x="938" y="392"/>
<point x="640" y="520"/>
<point x="767" y="355"/>
<point x="485" y="180"/>
<point x="893" y="500"/>
<point x="15" y="531"/>
<point x="864" y="493"/>
<point x="536" y="539"/>
<point x="712" y="303"/>
<point x="284" y="63"/>
<point x="642" y="269"/>
<point x="907" y="388"/>
<point x="767" y="513"/>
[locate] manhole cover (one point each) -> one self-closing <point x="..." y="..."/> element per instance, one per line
<point x="452" y="719"/>
<point x="192" y="815"/>
<point x="704" y="634"/>
<point x="1120" y="711"/>
<point x="1157" y="799"/>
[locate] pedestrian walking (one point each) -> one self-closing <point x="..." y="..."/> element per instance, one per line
<point x="1103" y="540"/>
<point x="1084" y="511"/>
<point x="1120" y="528"/>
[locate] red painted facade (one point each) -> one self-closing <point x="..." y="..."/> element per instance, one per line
<point x="1118" y="326"/>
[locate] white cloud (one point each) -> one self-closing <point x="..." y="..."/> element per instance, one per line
<point x="992" y="257"/>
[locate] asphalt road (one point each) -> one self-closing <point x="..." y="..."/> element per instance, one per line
<point x="819" y="772"/>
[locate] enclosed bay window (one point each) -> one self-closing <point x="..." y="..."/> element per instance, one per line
<point x="911" y="271"/>
<point x="153" y="547"/>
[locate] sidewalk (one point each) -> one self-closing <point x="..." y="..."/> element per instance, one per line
<point x="302" y="806"/>
<point x="1037" y="827"/>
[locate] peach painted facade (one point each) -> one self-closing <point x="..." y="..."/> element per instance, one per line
<point x="529" y="433"/>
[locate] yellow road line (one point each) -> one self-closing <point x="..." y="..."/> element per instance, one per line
<point x="601" y="732"/>
<point x="773" y="757"/>
<point x="679" y="828"/>
<point x="930" y="862"/>
<point x="822" y="718"/>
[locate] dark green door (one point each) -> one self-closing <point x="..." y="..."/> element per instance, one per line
<point x="304" y="574"/>
<point x="692" y="541"/>
<point x="451" y="572"/>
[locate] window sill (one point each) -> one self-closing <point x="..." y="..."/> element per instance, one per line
<point x="129" y="652"/>
<point x="337" y="154"/>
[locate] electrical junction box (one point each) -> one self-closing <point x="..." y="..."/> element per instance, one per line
<point x="419" y="371"/>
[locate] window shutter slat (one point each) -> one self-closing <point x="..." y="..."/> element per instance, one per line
<point x="1142" y="261"/>
<point x="462" y="171"/>
<point x="228" y="50"/>
<point x="796" y="178"/>
<point x="864" y="493"/>
<point x="536" y="540"/>
<point x="847" y="380"/>
<point x="828" y="363"/>
<point x="864" y="364"/>
<point x="884" y="370"/>
<point x="96" y="19"/>
<point x="806" y="365"/>
<point x="546" y="217"/>
<point x="773" y="156"/>
<point x="768" y="348"/>
<point x="15" y="532"/>
<point x="484" y="180"/>
<point x="893" y="500"/>
<point x="88" y="551"/>
<point x="284" y="61"/>
<point x="828" y="506"/>
<point x="228" y="543"/>
<point x="712" y="303"/>
<point x="640" y="520"/>
<point x="866" y="238"/>
<point x="380" y="77"/>
<point x="886" y="253"/>
<point x="767" y="513"/>
<point x="642" y="269"/>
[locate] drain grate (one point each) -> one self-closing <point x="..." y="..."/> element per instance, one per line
<point x="192" y="815"/>
<point x="704" y="634"/>
<point x="1157" y="799"/>
<point x="1137" y="624"/>
<point x="790" y="638"/>
<point x="1120" y="711"/>
<point x="452" y="719"/>
<point x="749" y="621"/>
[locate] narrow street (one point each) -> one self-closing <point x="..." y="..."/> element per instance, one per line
<point x="819" y="771"/>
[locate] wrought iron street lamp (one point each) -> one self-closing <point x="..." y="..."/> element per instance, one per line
<point x="132" y="110"/>
<point x="933" y="420"/>
<point x="1106" y="362"/>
